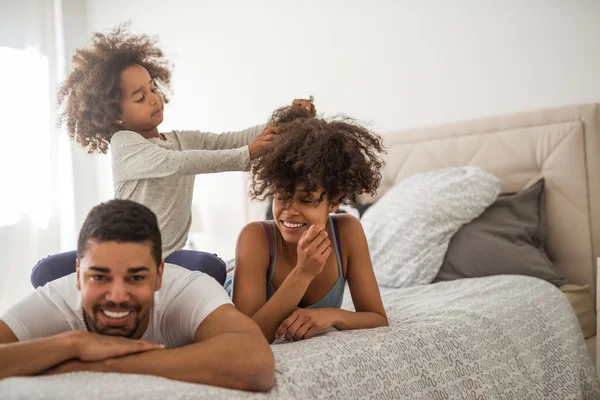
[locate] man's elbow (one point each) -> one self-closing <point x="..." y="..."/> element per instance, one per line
<point x="263" y="372"/>
<point x="384" y="321"/>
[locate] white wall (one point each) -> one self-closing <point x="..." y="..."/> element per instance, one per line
<point x="398" y="64"/>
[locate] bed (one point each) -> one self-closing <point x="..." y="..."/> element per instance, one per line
<point x="496" y="337"/>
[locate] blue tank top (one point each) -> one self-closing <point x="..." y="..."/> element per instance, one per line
<point x="334" y="297"/>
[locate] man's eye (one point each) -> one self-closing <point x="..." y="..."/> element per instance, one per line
<point x="98" y="277"/>
<point x="137" y="278"/>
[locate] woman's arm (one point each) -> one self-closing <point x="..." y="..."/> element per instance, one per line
<point x="250" y="280"/>
<point x="305" y="323"/>
<point x="370" y="312"/>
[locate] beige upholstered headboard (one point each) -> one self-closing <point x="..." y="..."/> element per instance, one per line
<point x="562" y="145"/>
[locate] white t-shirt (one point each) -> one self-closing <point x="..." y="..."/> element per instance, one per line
<point x="160" y="173"/>
<point x="184" y="300"/>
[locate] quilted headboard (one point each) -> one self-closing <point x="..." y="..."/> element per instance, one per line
<point x="562" y="145"/>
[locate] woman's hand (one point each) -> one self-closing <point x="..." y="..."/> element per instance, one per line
<point x="313" y="250"/>
<point x="304" y="323"/>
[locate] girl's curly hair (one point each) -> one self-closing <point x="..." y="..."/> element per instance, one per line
<point x="91" y="94"/>
<point x="339" y="155"/>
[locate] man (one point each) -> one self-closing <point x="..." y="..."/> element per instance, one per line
<point x="118" y="313"/>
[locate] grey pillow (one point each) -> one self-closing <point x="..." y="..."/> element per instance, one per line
<point x="507" y="238"/>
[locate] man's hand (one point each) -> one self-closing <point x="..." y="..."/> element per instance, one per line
<point x="308" y="104"/>
<point x="304" y="323"/>
<point x="74" y="366"/>
<point x="263" y="142"/>
<point x="96" y="347"/>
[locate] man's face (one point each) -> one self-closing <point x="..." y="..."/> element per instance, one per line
<point x="117" y="283"/>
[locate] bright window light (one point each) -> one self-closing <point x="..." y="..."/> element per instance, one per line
<point x="24" y="153"/>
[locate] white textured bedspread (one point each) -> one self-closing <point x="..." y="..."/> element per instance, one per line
<point x="503" y="338"/>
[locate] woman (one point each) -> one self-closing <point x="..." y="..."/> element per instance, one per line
<point x="290" y="273"/>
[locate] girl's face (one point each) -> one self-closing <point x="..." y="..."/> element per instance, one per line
<point x="141" y="103"/>
<point x="294" y="214"/>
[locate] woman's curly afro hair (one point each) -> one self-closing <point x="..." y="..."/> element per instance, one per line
<point x="91" y="94"/>
<point x="339" y="155"/>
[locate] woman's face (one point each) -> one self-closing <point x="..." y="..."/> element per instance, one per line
<point x="295" y="213"/>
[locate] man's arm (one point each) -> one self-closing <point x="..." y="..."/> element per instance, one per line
<point x="229" y="350"/>
<point x="31" y="357"/>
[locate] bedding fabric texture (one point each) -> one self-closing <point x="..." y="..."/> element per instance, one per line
<point x="490" y="338"/>
<point x="409" y="228"/>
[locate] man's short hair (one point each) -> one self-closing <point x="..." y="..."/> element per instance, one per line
<point x="122" y="221"/>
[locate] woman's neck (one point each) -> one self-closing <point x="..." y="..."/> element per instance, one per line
<point x="289" y="250"/>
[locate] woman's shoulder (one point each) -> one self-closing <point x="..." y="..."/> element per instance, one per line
<point x="347" y="222"/>
<point x="254" y="245"/>
<point x="351" y="233"/>
<point x="257" y="231"/>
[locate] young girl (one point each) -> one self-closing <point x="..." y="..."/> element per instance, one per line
<point x="290" y="273"/>
<point x="113" y="95"/>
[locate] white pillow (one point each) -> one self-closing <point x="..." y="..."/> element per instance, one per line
<point x="409" y="228"/>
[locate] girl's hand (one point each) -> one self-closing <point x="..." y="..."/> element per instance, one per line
<point x="304" y="323"/>
<point x="313" y="250"/>
<point x="263" y="142"/>
<point x="308" y="104"/>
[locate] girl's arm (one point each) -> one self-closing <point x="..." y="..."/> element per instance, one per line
<point x="136" y="158"/>
<point x="196" y="140"/>
<point x="250" y="279"/>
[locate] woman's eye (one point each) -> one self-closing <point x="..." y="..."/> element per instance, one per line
<point x="140" y="100"/>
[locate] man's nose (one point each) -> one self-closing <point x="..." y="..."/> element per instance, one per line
<point x="117" y="293"/>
